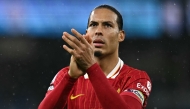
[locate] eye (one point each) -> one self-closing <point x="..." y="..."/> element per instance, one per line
<point x="93" y="24"/>
<point x="108" y="25"/>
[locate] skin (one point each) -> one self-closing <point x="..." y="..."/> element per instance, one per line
<point x="102" y="27"/>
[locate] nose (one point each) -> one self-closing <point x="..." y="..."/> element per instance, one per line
<point x="98" y="31"/>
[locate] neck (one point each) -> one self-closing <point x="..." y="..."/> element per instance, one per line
<point x="108" y="63"/>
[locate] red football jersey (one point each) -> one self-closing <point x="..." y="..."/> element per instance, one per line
<point x="126" y="81"/>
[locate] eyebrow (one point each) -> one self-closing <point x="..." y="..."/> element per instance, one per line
<point x="102" y="22"/>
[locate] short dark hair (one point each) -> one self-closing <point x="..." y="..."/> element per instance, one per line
<point x="119" y="16"/>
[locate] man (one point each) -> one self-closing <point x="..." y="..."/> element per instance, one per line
<point x="96" y="77"/>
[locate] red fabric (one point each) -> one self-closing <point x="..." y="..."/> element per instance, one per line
<point x="97" y="92"/>
<point x="57" y="98"/>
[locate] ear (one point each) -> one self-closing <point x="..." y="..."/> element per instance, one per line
<point x="121" y="35"/>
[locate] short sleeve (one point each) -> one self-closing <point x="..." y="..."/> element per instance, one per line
<point x="139" y="87"/>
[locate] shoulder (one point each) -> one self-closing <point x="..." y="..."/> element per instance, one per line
<point x="63" y="71"/>
<point x="133" y="72"/>
<point x="59" y="75"/>
<point x="136" y="79"/>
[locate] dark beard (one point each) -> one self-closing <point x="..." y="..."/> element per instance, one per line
<point x="97" y="53"/>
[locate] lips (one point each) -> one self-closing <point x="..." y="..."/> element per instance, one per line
<point x="98" y="43"/>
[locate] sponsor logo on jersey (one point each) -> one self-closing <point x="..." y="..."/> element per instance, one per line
<point x="138" y="94"/>
<point x="74" y="97"/>
<point x="143" y="88"/>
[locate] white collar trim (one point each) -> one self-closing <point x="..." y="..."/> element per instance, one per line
<point x="114" y="72"/>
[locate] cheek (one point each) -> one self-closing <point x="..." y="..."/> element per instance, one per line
<point x="89" y="32"/>
<point x="113" y="38"/>
<point x="113" y="42"/>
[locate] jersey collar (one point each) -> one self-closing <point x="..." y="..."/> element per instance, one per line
<point x="114" y="72"/>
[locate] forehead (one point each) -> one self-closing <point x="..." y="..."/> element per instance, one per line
<point x="102" y="15"/>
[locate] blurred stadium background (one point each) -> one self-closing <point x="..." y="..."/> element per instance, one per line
<point x="157" y="41"/>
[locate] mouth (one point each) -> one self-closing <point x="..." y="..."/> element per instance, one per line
<point x="98" y="43"/>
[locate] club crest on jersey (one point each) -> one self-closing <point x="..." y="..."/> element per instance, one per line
<point x="149" y="86"/>
<point x="51" y="87"/>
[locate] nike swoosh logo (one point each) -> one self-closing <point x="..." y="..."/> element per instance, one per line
<point x="118" y="90"/>
<point x="74" y="97"/>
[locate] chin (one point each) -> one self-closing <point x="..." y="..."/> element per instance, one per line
<point x="97" y="53"/>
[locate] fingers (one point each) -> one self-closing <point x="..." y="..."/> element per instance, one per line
<point x="71" y="40"/>
<point x="79" y="36"/>
<point x="69" y="50"/>
<point x="77" y="45"/>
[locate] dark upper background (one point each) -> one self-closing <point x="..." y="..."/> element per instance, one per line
<point x="31" y="53"/>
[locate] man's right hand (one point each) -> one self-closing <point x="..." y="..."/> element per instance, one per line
<point x="74" y="70"/>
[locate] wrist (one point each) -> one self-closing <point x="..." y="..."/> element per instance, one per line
<point x="72" y="75"/>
